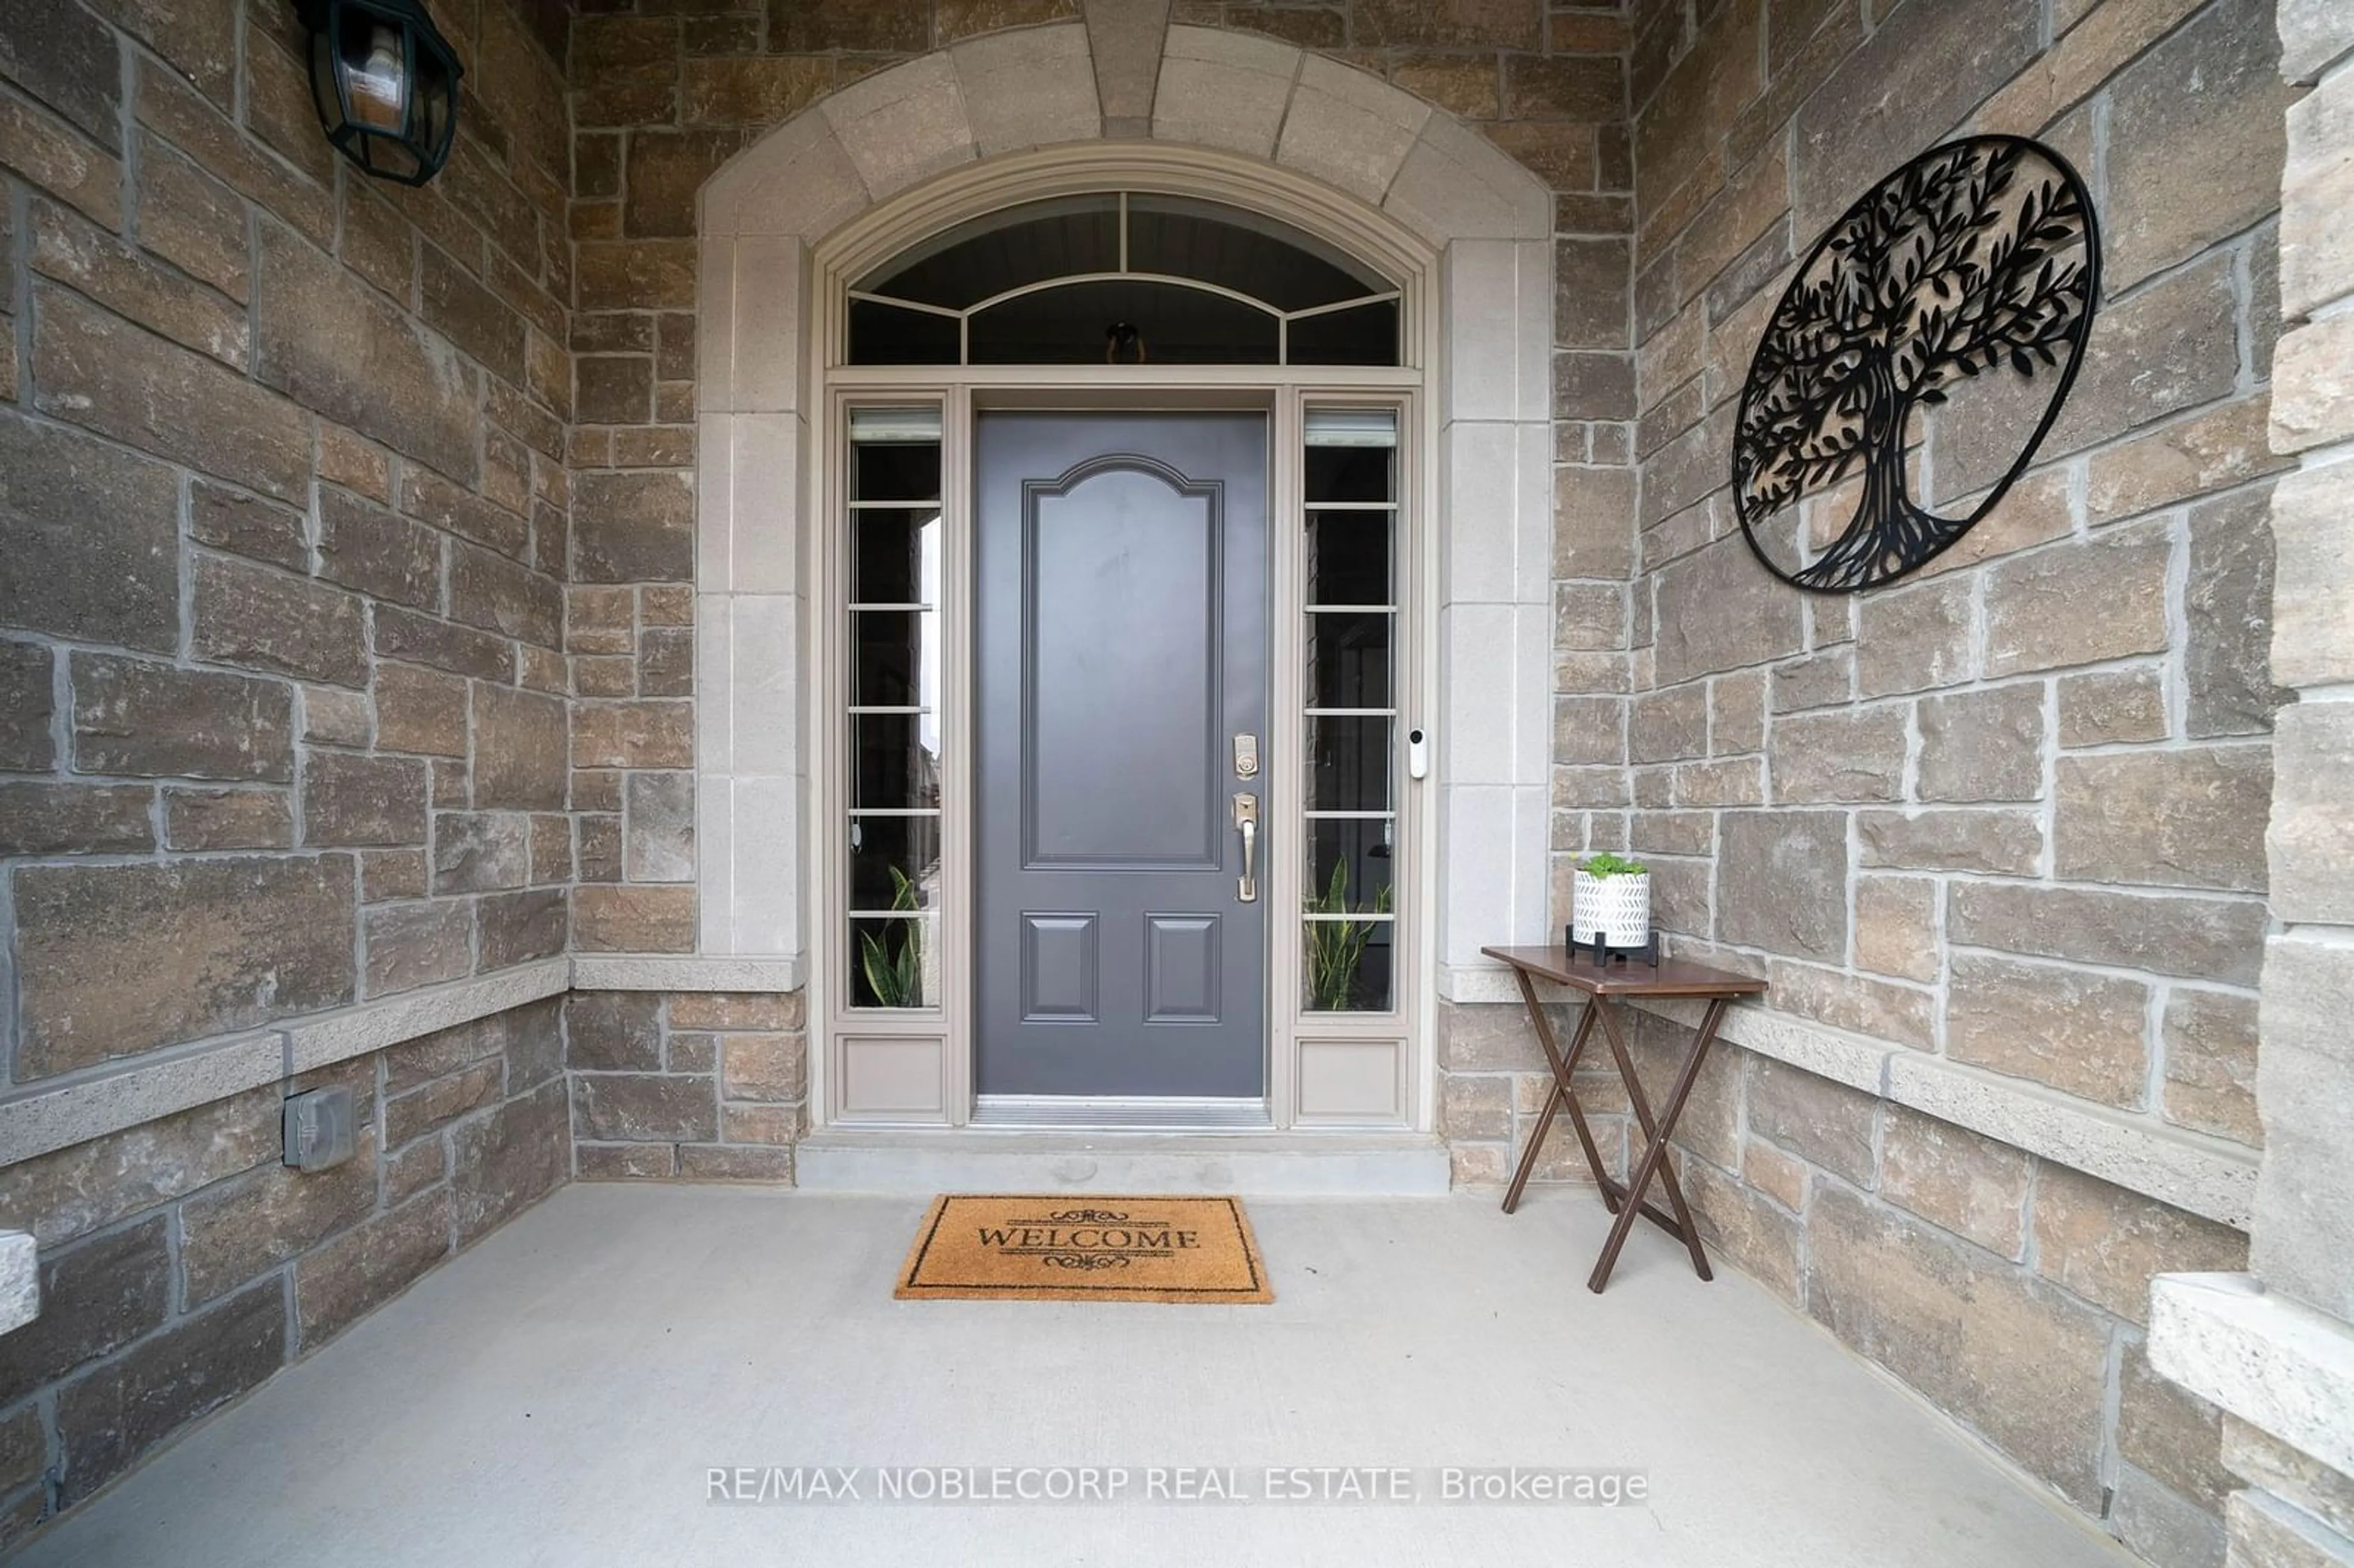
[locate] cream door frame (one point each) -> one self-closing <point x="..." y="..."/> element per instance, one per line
<point x="920" y="145"/>
<point x="1334" y="1070"/>
<point x="895" y="1068"/>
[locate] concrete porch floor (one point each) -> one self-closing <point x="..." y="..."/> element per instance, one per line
<point x="555" y="1396"/>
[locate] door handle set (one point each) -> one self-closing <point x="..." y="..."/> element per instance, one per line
<point x="1247" y="823"/>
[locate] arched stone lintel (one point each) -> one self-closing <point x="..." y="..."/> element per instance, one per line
<point x="1036" y="87"/>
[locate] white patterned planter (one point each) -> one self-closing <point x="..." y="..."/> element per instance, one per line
<point x="1617" y="910"/>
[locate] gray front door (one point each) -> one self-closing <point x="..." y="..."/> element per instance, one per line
<point x="1122" y="650"/>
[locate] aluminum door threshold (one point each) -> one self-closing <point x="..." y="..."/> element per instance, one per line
<point x="1159" y="1113"/>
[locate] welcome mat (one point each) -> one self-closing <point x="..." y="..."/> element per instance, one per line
<point x="1096" y="1248"/>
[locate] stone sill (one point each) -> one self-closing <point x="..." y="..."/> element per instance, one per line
<point x="2206" y="1176"/>
<point x="55" y="1113"/>
<point x="2211" y="1177"/>
<point x="20" y="1280"/>
<point x="630" y="971"/>
<point x="2275" y="1364"/>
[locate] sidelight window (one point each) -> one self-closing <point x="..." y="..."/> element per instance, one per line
<point x="895" y="544"/>
<point x="1350" y="570"/>
<point x="1123" y="278"/>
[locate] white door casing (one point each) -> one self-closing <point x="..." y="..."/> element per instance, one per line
<point x="1241" y="119"/>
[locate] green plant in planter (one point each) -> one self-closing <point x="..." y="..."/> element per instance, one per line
<point x="896" y="980"/>
<point x="1336" y="948"/>
<point x="1614" y="866"/>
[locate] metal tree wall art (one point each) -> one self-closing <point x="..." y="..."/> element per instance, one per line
<point x="1978" y="263"/>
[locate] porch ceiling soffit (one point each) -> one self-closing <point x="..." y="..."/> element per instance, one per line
<point x="1043" y="86"/>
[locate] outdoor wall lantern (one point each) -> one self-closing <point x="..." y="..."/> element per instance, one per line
<point x="384" y="82"/>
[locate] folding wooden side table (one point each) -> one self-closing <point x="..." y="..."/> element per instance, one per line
<point x="1606" y="985"/>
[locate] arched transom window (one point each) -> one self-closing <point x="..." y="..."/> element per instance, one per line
<point x="1123" y="277"/>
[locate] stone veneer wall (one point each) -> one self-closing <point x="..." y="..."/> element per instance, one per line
<point x="296" y="580"/>
<point x="284" y="523"/>
<point x="2278" y="1348"/>
<point x="702" y="1085"/>
<point x="2008" y="813"/>
<point x="181" y="1263"/>
<point x="283" y="527"/>
<point x="664" y="94"/>
<point x="220" y="262"/>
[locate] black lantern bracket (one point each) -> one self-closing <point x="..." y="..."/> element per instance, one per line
<point x="384" y="82"/>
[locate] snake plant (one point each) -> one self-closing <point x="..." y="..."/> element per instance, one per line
<point x="895" y="979"/>
<point x="1336" y="948"/>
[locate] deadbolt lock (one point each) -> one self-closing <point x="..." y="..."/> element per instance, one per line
<point x="1246" y="757"/>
